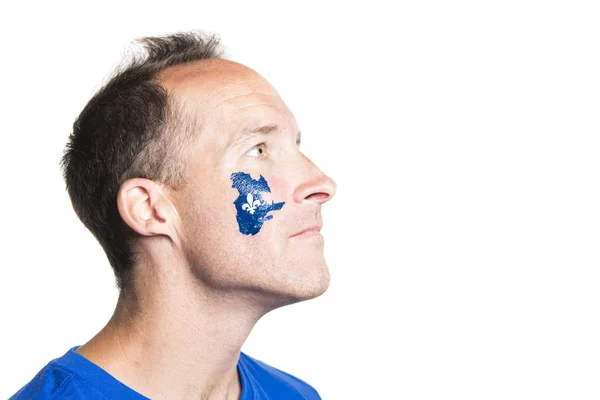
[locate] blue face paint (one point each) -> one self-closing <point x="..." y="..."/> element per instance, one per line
<point x="251" y="208"/>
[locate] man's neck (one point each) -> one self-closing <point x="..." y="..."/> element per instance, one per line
<point x="181" y="345"/>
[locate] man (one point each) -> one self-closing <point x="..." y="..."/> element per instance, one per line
<point x="186" y="168"/>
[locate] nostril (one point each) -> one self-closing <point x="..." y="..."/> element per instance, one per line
<point x="319" y="197"/>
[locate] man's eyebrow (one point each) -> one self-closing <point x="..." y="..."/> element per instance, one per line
<point x="265" y="129"/>
<point x="259" y="130"/>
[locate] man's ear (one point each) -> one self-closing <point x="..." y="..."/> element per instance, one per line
<point x="144" y="206"/>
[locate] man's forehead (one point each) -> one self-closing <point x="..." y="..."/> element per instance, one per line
<point x="190" y="69"/>
<point x="207" y="78"/>
<point x="229" y="99"/>
<point x="219" y="87"/>
<point x="247" y="115"/>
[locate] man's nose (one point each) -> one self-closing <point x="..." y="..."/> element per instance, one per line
<point x="314" y="185"/>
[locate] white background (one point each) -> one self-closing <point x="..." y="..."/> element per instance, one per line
<point x="463" y="242"/>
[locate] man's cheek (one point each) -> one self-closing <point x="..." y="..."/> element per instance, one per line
<point x="277" y="192"/>
<point x="253" y="203"/>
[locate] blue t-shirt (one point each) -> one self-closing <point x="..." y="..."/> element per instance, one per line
<point x="73" y="376"/>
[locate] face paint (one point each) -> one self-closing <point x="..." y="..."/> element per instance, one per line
<point x="251" y="208"/>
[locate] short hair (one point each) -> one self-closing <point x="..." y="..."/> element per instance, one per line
<point x="131" y="128"/>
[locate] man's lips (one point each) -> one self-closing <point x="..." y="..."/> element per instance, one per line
<point x="308" y="231"/>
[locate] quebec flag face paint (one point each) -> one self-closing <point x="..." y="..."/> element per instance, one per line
<point x="251" y="208"/>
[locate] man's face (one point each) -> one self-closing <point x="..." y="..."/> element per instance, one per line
<point x="250" y="188"/>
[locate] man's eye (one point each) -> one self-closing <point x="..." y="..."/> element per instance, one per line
<point x="257" y="151"/>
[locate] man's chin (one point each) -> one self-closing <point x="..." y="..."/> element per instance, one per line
<point x="281" y="284"/>
<point x="306" y="287"/>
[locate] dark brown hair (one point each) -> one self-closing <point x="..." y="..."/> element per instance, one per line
<point x="130" y="128"/>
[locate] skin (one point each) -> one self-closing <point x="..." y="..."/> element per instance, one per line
<point x="201" y="285"/>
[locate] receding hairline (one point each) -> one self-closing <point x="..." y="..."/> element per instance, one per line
<point x="183" y="83"/>
<point x="176" y="75"/>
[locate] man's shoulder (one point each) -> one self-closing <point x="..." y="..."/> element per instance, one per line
<point x="274" y="380"/>
<point x="71" y="376"/>
<point x="48" y="383"/>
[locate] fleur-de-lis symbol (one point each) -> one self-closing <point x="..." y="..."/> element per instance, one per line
<point x="252" y="204"/>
